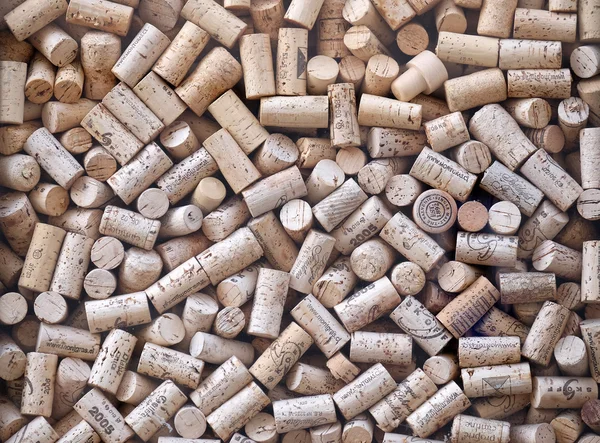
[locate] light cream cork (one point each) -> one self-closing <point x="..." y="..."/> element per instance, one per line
<point x="468" y="429"/>
<point x="80" y="433"/>
<point x="542" y="83"/>
<point x="331" y="28"/>
<point x="37" y="430"/>
<point x="336" y="282"/>
<point x="30" y="16"/>
<point x="225" y="219"/>
<point x="294" y="112"/>
<point x="303" y="412"/>
<point x="71" y="377"/>
<point x="292" y="58"/>
<point x="545" y="333"/>
<point x="267" y="17"/>
<point x="55" y="44"/>
<point x="112" y="17"/>
<point x="344" y="129"/>
<point x="168" y="364"/>
<point x="529" y="54"/>
<point x="76" y="140"/>
<point x="311" y="261"/>
<point x="42" y="257"/>
<point x="66" y="341"/>
<point x="39" y="86"/>
<point x="72" y="264"/>
<point x="548" y="392"/>
<point x="474" y="352"/>
<point x="95" y="407"/>
<point x="274" y="191"/>
<point x="99" y="164"/>
<point x="40" y="374"/>
<point x="303" y="14"/>
<point x="221" y="24"/>
<point x="160" y="98"/>
<point x="363" y="43"/>
<point x="88" y="192"/>
<point x="59" y="117"/>
<point x="280" y="250"/>
<point x="257" y="63"/>
<point x="590" y="283"/>
<point x="489" y="84"/>
<point x="268" y="303"/>
<point x="139" y="269"/>
<point x="142" y="232"/>
<point x="17" y="221"/>
<point x="588" y="24"/>
<point x="19" y="172"/>
<point x="544" y="25"/>
<point x="68" y="85"/>
<point x="311" y="380"/>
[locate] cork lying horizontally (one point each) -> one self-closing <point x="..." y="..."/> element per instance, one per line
<point x="299" y="221"/>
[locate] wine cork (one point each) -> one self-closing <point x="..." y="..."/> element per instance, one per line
<point x="198" y="315"/>
<point x="562" y="6"/>
<point x="526" y="287"/>
<point x="17" y="221"/>
<point x="589" y="333"/>
<point x="550" y="138"/>
<point x="388" y="142"/>
<point x="303" y="413"/>
<point x="531" y="113"/>
<point x="268" y="370"/>
<point x="76" y="140"/>
<point x="349" y="194"/>
<point x="303" y="14"/>
<point x="542" y="83"/>
<point x="499" y="408"/>
<point x="19" y="172"/>
<point x="102" y="15"/>
<point x="377" y="347"/>
<point x="590" y="283"/>
<point x="529" y="54"/>
<point x="168" y="364"/>
<point x="544" y="25"/>
<point x="13" y="360"/>
<point x="549" y="392"/>
<point x="344" y="130"/>
<point x="71" y="379"/>
<point x="237" y="411"/>
<point x="208" y="195"/>
<point x="100" y="414"/>
<point x="134" y="388"/>
<point x="408" y="278"/>
<point x="589" y="158"/>
<point x="262" y="197"/>
<point x="12" y="420"/>
<point x="321" y="71"/>
<point x="507" y="379"/>
<point x="216" y="350"/>
<point x="325" y="178"/>
<point x="139" y="269"/>
<point x="39" y="86"/>
<point x="179" y="140"/>
<point x="571" y="356"/>
<point x="229" y="322"/>
<point x="110" y="366"/>
<point x="130" y="227"/>
<point x="398" y="229"/>
<point x="367" y="304"/>
<point x="412" y="38"/>
<point x="360" y="12"/>
<point x="569" y="295"/>
<point x="280" y="250"/>
<point x="267" y="17"/>
<point x="267" y="307"/>
<point x="66" y="341"/>
<point x="294" y="112"/>
<point x="363" y="43"/>
<point x="277" y="153"/>
<point x="221" y="24"/>
<point x="475" y="352"/>
<point x="565" y="262"/>
<point x="588" y="24"/>
<point x="121" y="143"/>
<point x="352" y="70"/>
<point x="455" y="276"/>
<point x="449" y="17"/>
<point x="88" y="192"/>
<point x="99" y="52"/>
<point x="99" y="164"/>
<point x="496" y="19"/>
<point x="176" y="251"/>
<point x="446" y="132"/>
<point x="545" y="333"/>
<point x="11" y="267"/>
<point x="589" y="414"/>
<point x="573" y="114"/>
<point x="68" y="422"/>
<point x="388" y="113"/>
<point x="147" y="418"/>
<point x="224" y="220"/>
<point x="297" y="219"/>
<point x="14" y="308"/>
<point x="13" y="137"/>
<point x="107" y="253"/>
<point x="435" y="211"/>
<point x="55" y="44"/>
<point x="403" y="190"/>
<point x="425" y="74"/>
<point x="160" y="98"/>
<point x="336" y="282"/>
<point x="291" y="74"/>
<point x="40" y="373"/>
<point x="49" y="199"/>
<point x="13" y="76"/>
<point x="80" y="433"/>
<point x="51" y="308"/>
<point x="59" y="117"/>
<point x="371" y="260"/>
<point x="470" y="305"/>
<point x="190" y="422"/>
<point x="313" y="256"/>
<point x="257" y="62"/>
<point x="489" y="84"/>
<point x="30" y="16"/>
<point x="469" y="429"/>
<point x="180" y="221"/>
<point x="140" y="55"/>
<point x="164" y="330"/>
<point x="342" y="368"/>
<point x="68" y="85"/>
<point x="504" y="218"/>
<point x="311" y="380"/>
<point x="438" y="410"/>
<point x="496" y="323"/>
<point x="37" y="430"/>
<point x="486" y="249"/>
<point x="396" y="14"/>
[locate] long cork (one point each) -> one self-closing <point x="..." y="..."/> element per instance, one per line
<point x="483" y="381"/>
<point x="12" y="420"/>
<point x="72" y="265"/>
<point x="221" y="24"/>
<point x="80" y="433"/>
<point x="257" y="62"/>
<point x="39" y="86"/>
<point x="274" y="191"/>
<point x="548" y="392"/>
<point x="101" y="415"/>
<point x="102" y="15"/>
<point x="114" y="356"/>
<point x="304" y="412"/>
<point x="280" y="250"/>
<point x="590" y="283"/>
<point x="545" y="333"/>
<point x="160" y="98"/>
<point x="225" y="219"/>
<point x="40" y="373"/>
<point x="13" y="137"/>
<point x="542" y="83"/>
<point x="216" y="350"/>
<point x="544" y="25"/>
<point x="59" y="117"/>
<point x="32" y="16"/>
<point x="142" y="232"/>
<point x="469" y="429"/>
<point x="311" y="380"/>
<point x="489" y="84"/>
<point x="540" y="287"/>
<point x="13" y="76"/>
<point x="267" y="17"/>
<point x="529" y="54"/>
<point x="68" y="85"/>
<point x="55" y="44"/>
<point x="71" y="377"/>
<point x="344" y="130"/>
<point x="66" y="341"/>
<point x="336" y="282"/>
<point x="134" y="388"/>
<point x="199" y="313"/>
<point x="38" y="430"/>
<point x="88" y="192"/>
<point x="269" y="299"/>
<point x="168" y="364"/>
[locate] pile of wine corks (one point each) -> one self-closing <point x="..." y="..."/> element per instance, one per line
<point x="299" y="221"/>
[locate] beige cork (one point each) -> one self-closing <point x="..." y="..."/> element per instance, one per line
<point x="585" y="61"/>
<point x="325" y="178"/>
<point x="55" y="44"/>
<point x="152" y="203"/>
<point x="504" y="218"/>
<point x="562" y="6"/>
<point x="225" y="219"/>
<point x="71" y="379"/>
<point x="110" y="366"/>
<point x="342" y="368"/>
<point x="588" y="22"/>
<point x="13" y="360"/>
<point x="446" y="132"/>
<point x="571" y="356"/>
<point x="425" y="73"/>
<point x="168" y="364"/>
<point x="352" y="70"/>
<point x="363" y="43"/>
<point x="489" y="84"/>
<point x="139" y="269"/>
<point x="292" y="58"/>
<point x="408" y="278"/>
<point x="422" y="6"/>
<point x="344" y="129"/>
<point x="59" y="117"/>
<point x="102" y="15"/>
<point x="336" y="282"/>
<point x="403" y="190"/>
<point x="542" y="83"/>
<point x="371" y="260"/>
<point x="295" y="112"/>
<point x="280" y="250"/>
<point x="237" y="411"/>
<point x="379" y="347"/>
<point x="548" y="392"/>
<point x="412" y="38"/>
<point x="160" y="98"/>
<point x="72" y="265"/>
<point x="374" y="176"/>
<point x="550" y="138"/>
<point x="267" y="17"/>
<point x="331" y="28"/>
<point x="198" y="314"/>
<point x="76" y="140"/>
<point x="303" y="13"/>
<point x="297" y="219"/>
<point x="545" y="333"/>
<point x="229" y="322"/>
<point x="13" y="76"/>
<point x="31" y="16"/>
<point x="496" y="18"/>
<point x="130" y="227"/>
<point x="278" y="152"/>
<point x="134" y="388"/>
<point x="496" y="323"/>
<point x="17" y="221"/>
<point x="529" y="54"/>
<point x="38" y="430"/>
<point x="590" y="283"/>
<point x="380" y="73"/>
<point x="565" y="262"/>
<point x="208" y="195"/>
<point x="526" y="287"/>
<point x="99" y="164"/>
<point x="236" y="290"/>
<point x="303" y="413"/>
<point x="174" y="252"/>
<point x="40" y="374"/>
<point x="311" y="261"/>
<point x="573" y="115"/>
<point x="590" y="329"/>
<point x="39" y="86"/>
<point x="529" y="112"/>
<point x="474" y="352"/>
<point x="590" y="156"/>
<point x="95" y="407"/>
<point x="396" y="13"/>
<point x="179" y="140"/>
<point x="221" y="24"/>
<point x="19" y="172"/>
<point x="327" y="211"/>
<point x="311" y="380"/>
<point x="469" y="429"/>
<point x="361" y="12"/>
<point x="472" y="50"/>
<point x="267" y="306"/>
<point x="14" y="308"/>
<point x="11" y="267"/>
<point x="180" y="221"/>
<point x="12" y="49"/>
<point x="367" y="305"/>
<point x="449" y="17"/>
<point x="486" y="249"/>
<point x="472" y="216"/>
<point x="99" y="52"/>
<point x="537" y="24"/>
<point x="568" y="425"/>
<point x="88" y="192"/>
<point x="13" y="137"/>
<point x="189" y="422"/>
<point x="164" y="330"/>
<point x="274" y="191"/>
<point x="66" y="341"/>
<point x="68" y="85"/>
<point x="12" y="420"/>
<point x="80" y="433"/>
<point x="321" y="71"/>
<point x="455" y="276"/>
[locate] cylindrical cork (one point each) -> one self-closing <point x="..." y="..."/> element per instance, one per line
<point x="222" y="384"/>
<point x="435" y="211"/>
<point x="11" y="267"/>
<point x="311" y="380"/>
<point x="292" y="57"/>
<point x="489" y="84"/>
<point x="344" y="130"/>
<point x="237" y="411"/>
<point x="588" y="23"/>
<point x="468" y="49"/>
<point x="80" y="433"/>
<point x="180" y="221"/>
<point x="571" y="356"/>
<point x="269" y="299"/>
<point x="371" y="260"/>
<point x="66" y="341"/>
<point x="363" y="43"/>
<point x="17" y="221"/>
<point x="68" y="85"/>
<point x="217" y="350"/>
<point x="39" y="86"/>
<point x="295" y="112"/>
<point x="545" y="333"/>
<point x="257" y="63"/>
<point x="469" y="429"/>
<point x="529" y="54"/>
<point x="549" y="392"/>
<point x="537" y="24"/>
<point x="379" y="347"/>
<point x="456" y="276"/>
<point x="297" y="219"/>
<point x="176" y="60"/>
<point x="408" y="278"/>
<point x="268" y="369"/>
<point x="501" y="407"/>
<point x="31" y="16"/>
<point x="550" y="138"/>
<point x="209" y="194"/>
<point x="496" y="323"/>
<point x="496" y="18"/>
<point x="99" y="52"/>
<point x="331" y="28"/>
<point x="349" y="196"/>
<point x="121" y="311"/>
<point x="486" y="249"/>
<point x="526" y="287"/>
<point x="73" y="261"/>
<point x="221" y="24"/>
<point x="388" y="142"/>
<point x="335" y="283"/>
<point x="130" y="227"/>
<point x="474" y="352"/>
<point x="542" y="83"/>
<point x="139" y="269"/>
<point x="272" y="192"/>
<point x="164" y="330"/>
<point x="19" y="172"/>
<point x="13" y="137"/>
<point x="11" y="419"/>
<point x="280" y="250"/>
<point x="107" y="253"/>
<point x="590" y="158"/>
<point x="13" y="308"/>
<point x="352" y="70"/>
<point x="303" y="14"/>
<point x="101" y="15"/>
<point x="160" y="98"/>
<point x="99" y="164"/>
<point x="321" y="71"/>
<point x="446" y="132"/>
<point x="267" y="17"/>
<point x="165" y="363"/>
<point x="403" y="190"/>
<point x="364" y="391"/>
<point x="313" y="256"/>
<point x="190" y="422"/>
<point x="517" y="376"/>
<point x="134" y="388"/>
<point x="55" y="44"/>
<point x="388" y="113"/>
<point x="42" y="257"/>
<point x="140" y="55"/>
<point x="147" y="418"/>
<point x="573" y="115"/>
<point x="367" y="304"/>
<point x="303" y="413"/>
<point x="94" y="407"/>
<point x="176" y="251"/>
<point x="76" y="140"/>
<point x="38" y="430"/>
<point x="229" y="322"/>
<point x="71" y="379"/>
<point x="529" y="112"/>
<point x="360" y="12"/>
<point x="59" y="117"/>
<point x="111" y="364"/>
<point x="590" y="272"/>
<point x="325" y="178"/>
<point x="199" y="313"/>
<point x="179" y="140"/>
<point x="441" y="368"/>
<point x="40" y="374"/>
<point x="13" y="76"/>
<point x="225" y="219"/>
<point x="412" y="38"/>
<point x="100" y="284"/>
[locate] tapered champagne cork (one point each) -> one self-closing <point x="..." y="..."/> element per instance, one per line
<point x="496" y="18"/>
<point x="543" y="83"/>
<point x="30" y="16"/>
<point x="269" y="299"/>
<point x="160" y="98"/>
<point x="13" y="76"/>
<point x="11" y="421"/>
<point x="37" y="430"/>
<point x="39" y="86"/>
<point x="571" y="356"/>
<point x="42" y="257"/>
<point x="134" y="388"/>
<point x="321" y="71"/>
<point x="504" y="218"/>
<point x="59" y="117"/>
<point x="95" y="407"/>
<point x="489" y="84"/>
<point x="13" y="137"/>
<point x="425" y="74"/>
<point x="40" y="374"/>
<point x="80" y="433"/>
<point x="360" y="12"/>
<point x="303" y="413"/>
<point x="13" y="360"/>
<point x="179" y="221"/>
<point x="139" y="269"/>
<point x="257" y="63"/>
<point x="237" y="411"/>
<point x="280" y="250"/>
<point x="267" y="17"/>
<point x="102" y="15"/>
<point x="99" y="164"/>
<point x="474" y="352"/>
<point x="66" y="341"/>
<point x="19" y="172"/>
<point x="545" y="333"/>
<point x="590" y="283"/>
<point x="55" y="44"/>
<point x="294" y="112"/>
<point x="99" y="52"/>
<point x="130" y="227"/>
<point x="549" y="392"/>
<point x="529" y="54"/>
<point x="269" y="370"/>
<point x="363" y="43"/>
<point x="71" y="379"/>
<point x="292" y="57"/>
<point x="371" y="260"/>
<point x="221" y="24"/>
<point x="17" y="221"/>
<point x="76" y="140"/>
<point x="110" y="366"/>
<point x="544" y="25"/>
<point x="526" y="287"/>
<point x="68" y="85"/>
<point x="469" y="429"/>
<point x="168" y="364"/>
